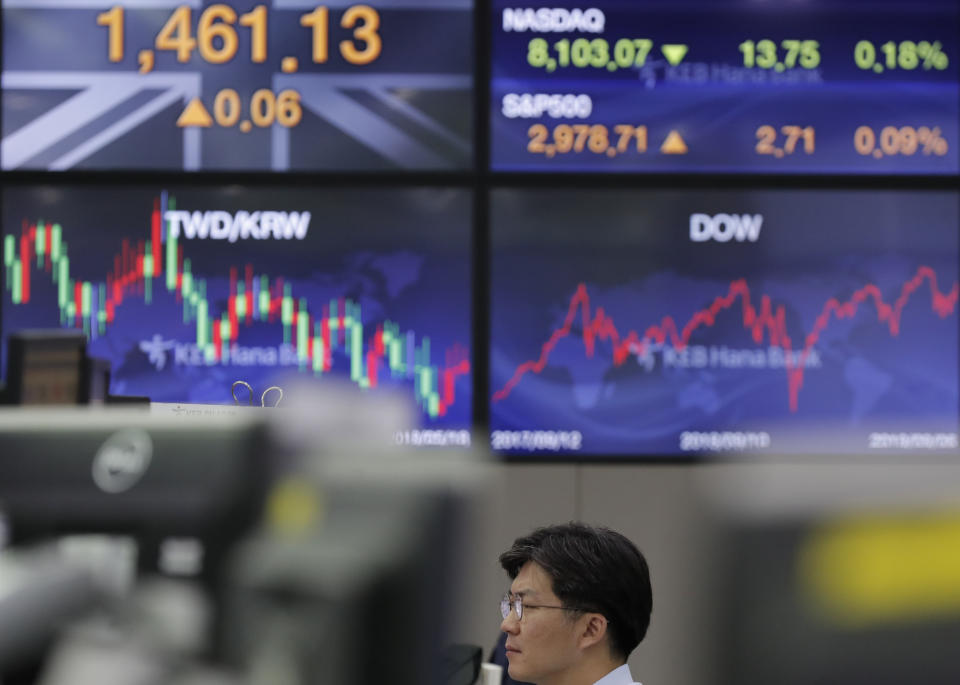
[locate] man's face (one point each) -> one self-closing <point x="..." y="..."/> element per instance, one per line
<point x="544" y="643"/>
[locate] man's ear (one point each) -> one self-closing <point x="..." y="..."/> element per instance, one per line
<point x="594" y="630"/>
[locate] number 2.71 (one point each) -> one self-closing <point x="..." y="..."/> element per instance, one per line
<point x="767" y="139"/>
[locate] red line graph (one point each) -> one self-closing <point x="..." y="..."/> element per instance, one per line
<point x="767" y="321"/>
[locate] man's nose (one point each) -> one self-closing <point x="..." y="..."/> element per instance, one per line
<point x="511" y="624"/>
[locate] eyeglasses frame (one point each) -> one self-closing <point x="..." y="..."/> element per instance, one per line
<point x="516" y="606"/>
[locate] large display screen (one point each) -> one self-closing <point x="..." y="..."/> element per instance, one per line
<point x="185" y="291"/>
<point x="282" y="85"/>
<point x="818" y="86"/>
<point x="667" y="323"/>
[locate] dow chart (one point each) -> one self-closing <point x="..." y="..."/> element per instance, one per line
<point x="668" y="323"/>
<point x="823" y="86"/>
<point x="280" y="85"/>
<point x="185" y="291"/>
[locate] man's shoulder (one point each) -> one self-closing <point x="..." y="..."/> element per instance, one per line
<point x="618" y="676"/>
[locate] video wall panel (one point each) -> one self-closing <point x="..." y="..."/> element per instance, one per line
<point x="286" y="85"/>
<point x="733" y="86"/>
<point x="170" y="179"/>
<point x="657" y="323"/>
<point x="185" y="290"/>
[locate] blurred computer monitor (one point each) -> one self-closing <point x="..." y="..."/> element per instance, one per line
<point x="46" y="367"/>
<point x="365" y="599"/>
<point x="836" y="573"/>
<point x="130" y="472"/>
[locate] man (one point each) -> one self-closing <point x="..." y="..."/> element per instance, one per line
<point x="578" y="605"/>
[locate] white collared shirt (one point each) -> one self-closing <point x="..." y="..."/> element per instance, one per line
<point x="618" y="676"/>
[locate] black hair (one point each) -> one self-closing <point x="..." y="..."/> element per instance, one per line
<point x="592" y="569"/>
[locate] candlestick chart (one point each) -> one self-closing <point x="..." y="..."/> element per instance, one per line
<point x="708" y="321"/>
<point x="188" y="290"/>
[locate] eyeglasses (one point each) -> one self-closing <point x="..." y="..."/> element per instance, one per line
<point x="516" y="603"/>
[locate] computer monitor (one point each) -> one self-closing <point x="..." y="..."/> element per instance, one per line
<point x="47" y="366"/>
<point x="833" y="573"/>
<point x="133" y="473"/>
